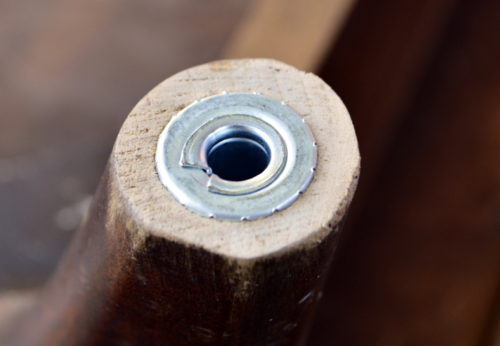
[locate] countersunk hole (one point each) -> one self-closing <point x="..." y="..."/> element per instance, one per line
<point x="238" y="155"/>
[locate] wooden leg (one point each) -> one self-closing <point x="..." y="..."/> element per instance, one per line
<point x="143" y="269"/>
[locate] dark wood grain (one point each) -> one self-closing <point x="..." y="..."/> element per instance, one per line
<point x="109" y="292"/>
<point x="421" y="263"/>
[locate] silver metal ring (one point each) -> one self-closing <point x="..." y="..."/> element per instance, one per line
<point x="236" y="156"/>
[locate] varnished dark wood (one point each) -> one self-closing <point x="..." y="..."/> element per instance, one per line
<point x="421" y="263"/>
<point x="106" y="292"/>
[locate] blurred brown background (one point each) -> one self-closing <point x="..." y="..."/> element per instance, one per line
<point x="419" y="263"/>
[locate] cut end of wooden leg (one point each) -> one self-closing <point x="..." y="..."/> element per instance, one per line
<point x="208" y="111"/>
<point x="146" y="269"/>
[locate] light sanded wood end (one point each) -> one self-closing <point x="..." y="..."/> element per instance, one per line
<point x="306" y="222"/>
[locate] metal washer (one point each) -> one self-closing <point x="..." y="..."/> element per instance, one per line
<point x="181" y="156"/>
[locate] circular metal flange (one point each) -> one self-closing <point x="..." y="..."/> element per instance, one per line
<point x="271" y="130"/>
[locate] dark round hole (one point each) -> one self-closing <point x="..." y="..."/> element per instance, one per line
<point x="238" y="158"/>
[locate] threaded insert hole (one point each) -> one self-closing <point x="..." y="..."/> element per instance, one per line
<point x="238" y="155"/>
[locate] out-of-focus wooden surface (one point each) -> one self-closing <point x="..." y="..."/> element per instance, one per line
<point x="70" y="71"/>
<point x="297" y="32"/>
<point x="420" y="264"/>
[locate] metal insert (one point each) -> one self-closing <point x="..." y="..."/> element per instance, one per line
<point x="236" y="156"/>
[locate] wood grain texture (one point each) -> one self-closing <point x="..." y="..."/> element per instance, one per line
<point x="144" y="270"/>
<point x="421" y="262"/>
<point x="71" y="70"/>
<point x="298" y="32"/>
<point x="377" y="66"/>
